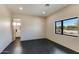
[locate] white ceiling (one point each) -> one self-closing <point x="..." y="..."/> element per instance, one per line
<point x="35" y="9"/>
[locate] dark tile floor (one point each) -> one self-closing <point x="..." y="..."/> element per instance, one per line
<point x="40" y="46"/>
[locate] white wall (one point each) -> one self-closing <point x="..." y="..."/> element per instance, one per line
<point x="68" y="41"/>
<point x="5" y="28"/>
<point x="32" y="27"/>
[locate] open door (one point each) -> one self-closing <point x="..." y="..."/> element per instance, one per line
<point x="16" y="28"/>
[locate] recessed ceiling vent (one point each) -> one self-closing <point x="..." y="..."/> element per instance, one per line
<point x="47" y="5"/>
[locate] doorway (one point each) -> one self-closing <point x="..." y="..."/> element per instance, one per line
<point x="16" y="28"/>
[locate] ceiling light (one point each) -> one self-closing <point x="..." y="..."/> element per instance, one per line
<point x="43" y="12"/>
<point x="18" y="24"/>
<point x="20" y="8"/>
<point x="14" y="23"/>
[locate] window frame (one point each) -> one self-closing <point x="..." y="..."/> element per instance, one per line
<point x="62" y="33"/>
<point x="56" y="27"/>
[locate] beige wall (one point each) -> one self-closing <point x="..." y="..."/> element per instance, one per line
<point x="5" y="28"/>
<point x="68" y="41"/>
<point x="32" y="27"/>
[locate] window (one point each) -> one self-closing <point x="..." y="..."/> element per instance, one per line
<point x="67" y="27"/>
<point x="70" y="26"/>
<point x="58" y="27"/>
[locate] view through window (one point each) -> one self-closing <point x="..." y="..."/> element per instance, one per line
<point x="67" y="27"/>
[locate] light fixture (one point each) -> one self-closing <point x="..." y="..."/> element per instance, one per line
<point x="20" y="8"/>
<point x="18" y="24"/>
<point x="43" y="12"/>
<point x="14" y="23"/>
